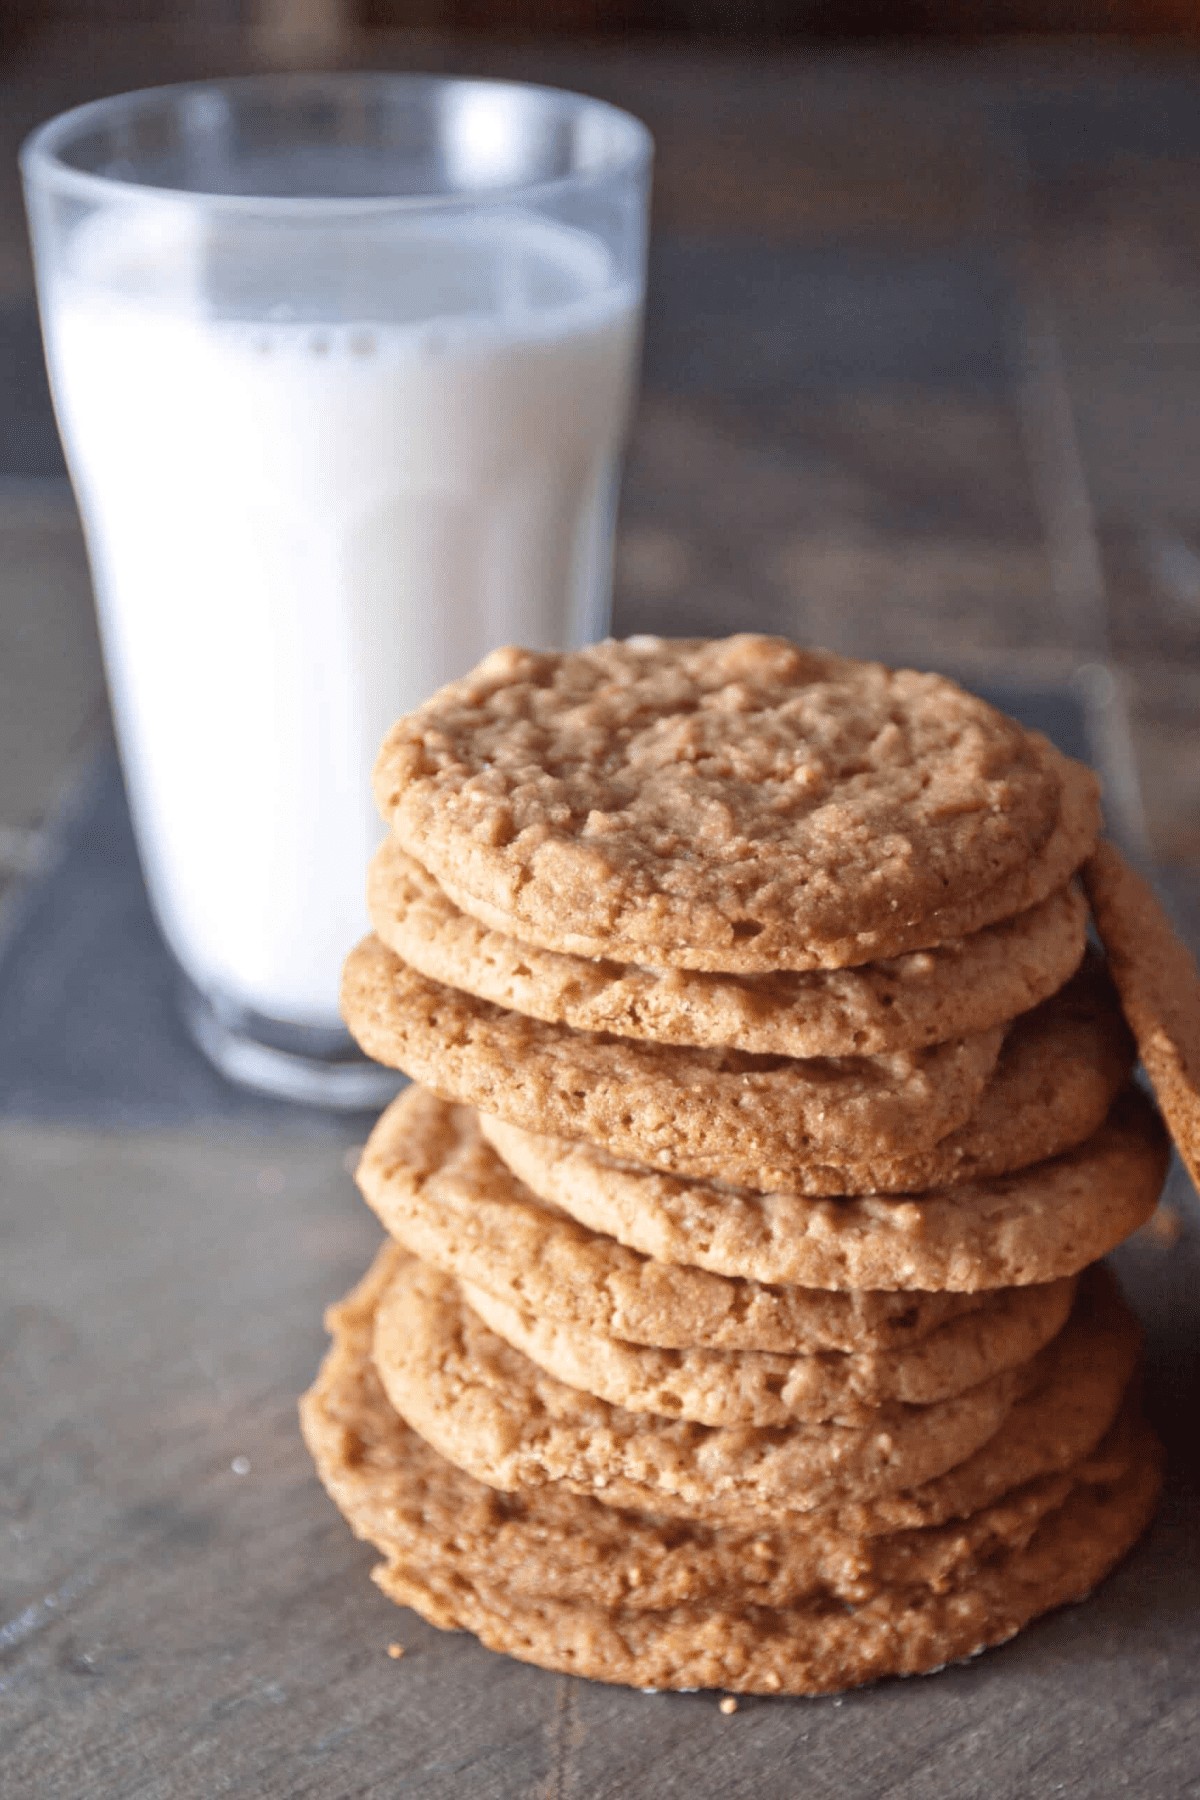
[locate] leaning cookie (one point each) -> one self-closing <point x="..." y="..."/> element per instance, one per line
<point x="1159" y="986"/>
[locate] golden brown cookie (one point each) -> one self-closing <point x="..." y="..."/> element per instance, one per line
<point x="907" y="1003"/>
<point x="414" y="1506"/>
<point x="762" y="1122"/>
<point x="818" y="1646"/>
<point x="1069" y="845"/>
<point x="487" y="1408"/>
<point x="738" y="803"/>
<point x="1079" y="1383"/>
<point x="722" y="1108"/>
<point x="1159" y="986"/>
<point x="754" y="1387"/>
<point x="1044" y="1221"/>
<point x="442" y="1192"/>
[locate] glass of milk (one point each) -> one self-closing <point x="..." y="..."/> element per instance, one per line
<point x="343" y="367"/>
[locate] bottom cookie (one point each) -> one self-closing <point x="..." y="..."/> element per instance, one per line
<point x="820" y="1647"/>
<point x="567" y="1582"/>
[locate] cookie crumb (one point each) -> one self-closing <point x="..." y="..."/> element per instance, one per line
<point x="727" y="1705"/>
<point x="395" y="1651"/>
<point x="1163" y="1228"/>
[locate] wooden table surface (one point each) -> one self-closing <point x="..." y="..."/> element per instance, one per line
<point x="923" y="378"/>
<point x="185" y="1614"/>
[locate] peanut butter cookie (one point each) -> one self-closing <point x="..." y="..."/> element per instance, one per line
<point x="738" y="803"/>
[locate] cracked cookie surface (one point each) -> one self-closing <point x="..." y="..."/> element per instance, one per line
<point x="738" y="803"/>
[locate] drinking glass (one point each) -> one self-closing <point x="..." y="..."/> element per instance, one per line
<point x="343" y="367"/>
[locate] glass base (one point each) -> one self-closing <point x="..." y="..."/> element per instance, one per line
<point x="303" y="1063"/>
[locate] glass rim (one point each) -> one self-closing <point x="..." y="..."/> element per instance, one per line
<point x="41" y="160"/>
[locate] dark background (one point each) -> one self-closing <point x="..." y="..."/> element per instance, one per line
<point x="748" y="20"/>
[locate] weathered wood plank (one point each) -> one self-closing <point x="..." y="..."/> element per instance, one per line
<point x="171" y="1627"/>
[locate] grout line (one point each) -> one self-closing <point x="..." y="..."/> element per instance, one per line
<point x="1060" y="485"/>
<point x="564" y="1731"/>
<point x="1077" y="565"/>
<point x="1077" y="573"/>
<point x="1111" y="736"/>
<point x="1063" y="496"/>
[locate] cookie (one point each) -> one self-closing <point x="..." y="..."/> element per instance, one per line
<point x="441" y="1191"/>
<point x="739" y="803"/>
<point x="444" y="1193"/>
<point x="907" y="1003"/>
<point x="709" y="1107"/>
<point x="1072" y="841"/>
<point x="761" y="1122"/>
<point x="487" y="1408"/>
<point x="1079" y="1383"/>
<point x="818" y="1646"/>
<point x="754" y="1387"/>
<point x="1159" y="986"/>
<point x="1042" y="1222"/>
<point x="413" y="1506"/>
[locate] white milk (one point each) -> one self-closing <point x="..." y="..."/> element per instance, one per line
<point x="297" y="530"/>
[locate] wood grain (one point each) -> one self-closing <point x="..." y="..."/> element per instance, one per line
<point x="172" y="1627"/>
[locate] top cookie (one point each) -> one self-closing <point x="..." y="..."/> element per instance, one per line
<point x="1159" y="986"/>
<point x="735" y="804"/>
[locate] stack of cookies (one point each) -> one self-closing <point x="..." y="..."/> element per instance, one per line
<point x="740" y="1321"/>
